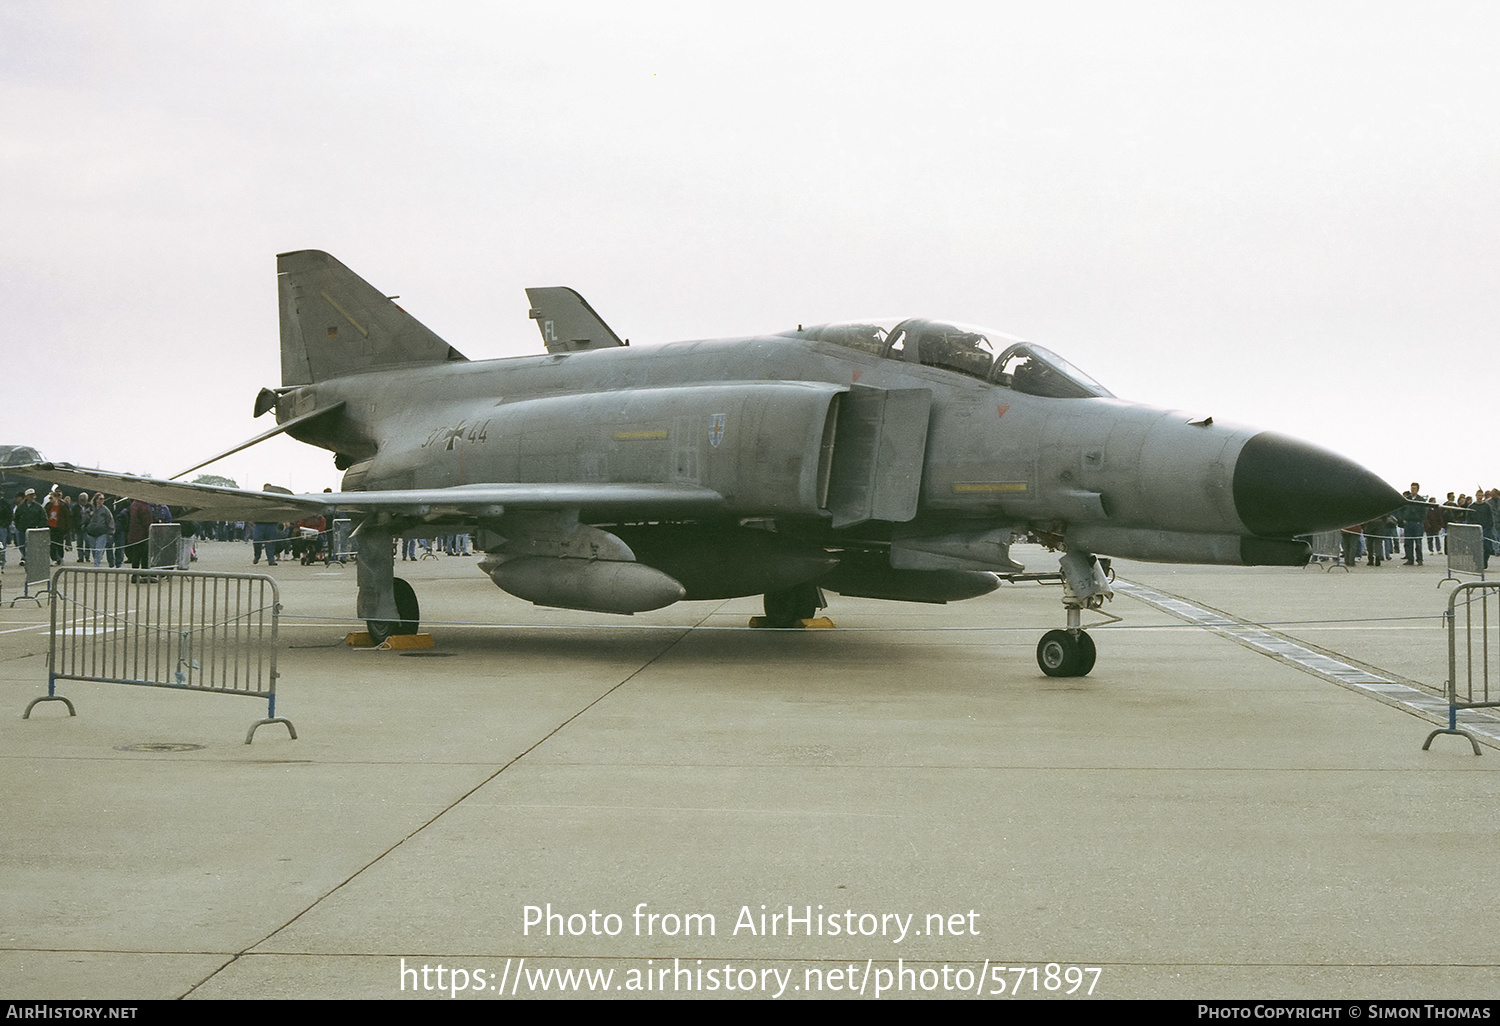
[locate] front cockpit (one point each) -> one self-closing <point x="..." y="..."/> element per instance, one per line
<point x="18" y="455"/>
<point x="966" y="350"/>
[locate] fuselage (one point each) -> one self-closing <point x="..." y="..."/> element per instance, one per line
<point x="766" y="422"/>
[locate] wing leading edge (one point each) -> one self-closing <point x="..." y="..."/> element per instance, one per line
<point x="210" y="502"/>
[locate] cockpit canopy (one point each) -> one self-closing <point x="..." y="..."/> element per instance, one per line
<point x="18" y="455"/>
<point x="965" y="349"/>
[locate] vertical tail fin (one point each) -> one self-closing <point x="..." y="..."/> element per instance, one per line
<point x="334" y="322"/>
<point x="568" y="323"/>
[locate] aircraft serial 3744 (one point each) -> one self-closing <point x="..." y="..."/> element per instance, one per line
<point x="889" y="460"/>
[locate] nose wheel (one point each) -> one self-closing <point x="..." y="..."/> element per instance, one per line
<point x="1066" y="653"/>
<point x="1085" y="581"/>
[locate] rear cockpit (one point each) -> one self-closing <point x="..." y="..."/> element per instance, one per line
<point x="965" y="350"/>
<point x="18" y="455"/>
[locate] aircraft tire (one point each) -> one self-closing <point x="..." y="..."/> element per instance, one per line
<point x="784" y="608"/>
<point x="1059" y="654"/>
<point x="406" y="608"/>
<point x="1087" y="654"/>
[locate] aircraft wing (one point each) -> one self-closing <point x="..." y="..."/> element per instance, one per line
<point x="210" y="502"/>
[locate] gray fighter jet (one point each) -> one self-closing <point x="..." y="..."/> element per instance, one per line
<point x="894" y="460"/>
<point x="12" y="485"/>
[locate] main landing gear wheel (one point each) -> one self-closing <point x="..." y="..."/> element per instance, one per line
<point x="1066" y="653"/>
<point x="784" y="608"/>
<point x="406" y="608"/>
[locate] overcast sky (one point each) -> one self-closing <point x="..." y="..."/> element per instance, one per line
<point x="1287" y="215"/>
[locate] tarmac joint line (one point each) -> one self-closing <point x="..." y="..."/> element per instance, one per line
<point x="453" y="804"/>
<point x="1382" y="685"/>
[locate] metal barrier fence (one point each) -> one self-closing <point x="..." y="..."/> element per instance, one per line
<point x="310" y="545"/>
<point x="1469" y="643"/>
<point x="1327" y="550"/>
<point x="37" y="556"/>
<point x="190" y="630"/>
<point x="166" y="548"/>
<point x="1465" y="546"/>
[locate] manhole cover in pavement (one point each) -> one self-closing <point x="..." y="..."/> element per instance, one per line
<point x="159" y="746"/>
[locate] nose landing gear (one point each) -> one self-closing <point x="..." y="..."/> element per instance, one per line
<point x="1071" y="652"/>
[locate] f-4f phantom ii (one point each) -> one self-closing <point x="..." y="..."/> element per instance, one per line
<point x="889" y="460"/>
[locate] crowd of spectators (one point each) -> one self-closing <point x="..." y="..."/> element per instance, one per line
<point x="1421" y="527"/>
<point x="101" y="529"/>
<point x="112" y="530"/>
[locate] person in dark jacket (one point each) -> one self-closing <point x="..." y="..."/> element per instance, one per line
<point x="1483" y="514"/>
<point x="59" y="523"/>
<point x="1378" y="533"/>
<point x="7" y="516"/>
<point x="1492" y="536"/>
<point x="1413" y="519"/>
<point x="1434" y="524"/>
<point x="98" y="529"/>
<point x="140" y="530"/>
<point x="121" y="540"/>
<point x="29" y="515"/>
<point x="1350" y="538"/>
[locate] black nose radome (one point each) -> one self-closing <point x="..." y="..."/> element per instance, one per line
<point x="1283" y="487"/>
